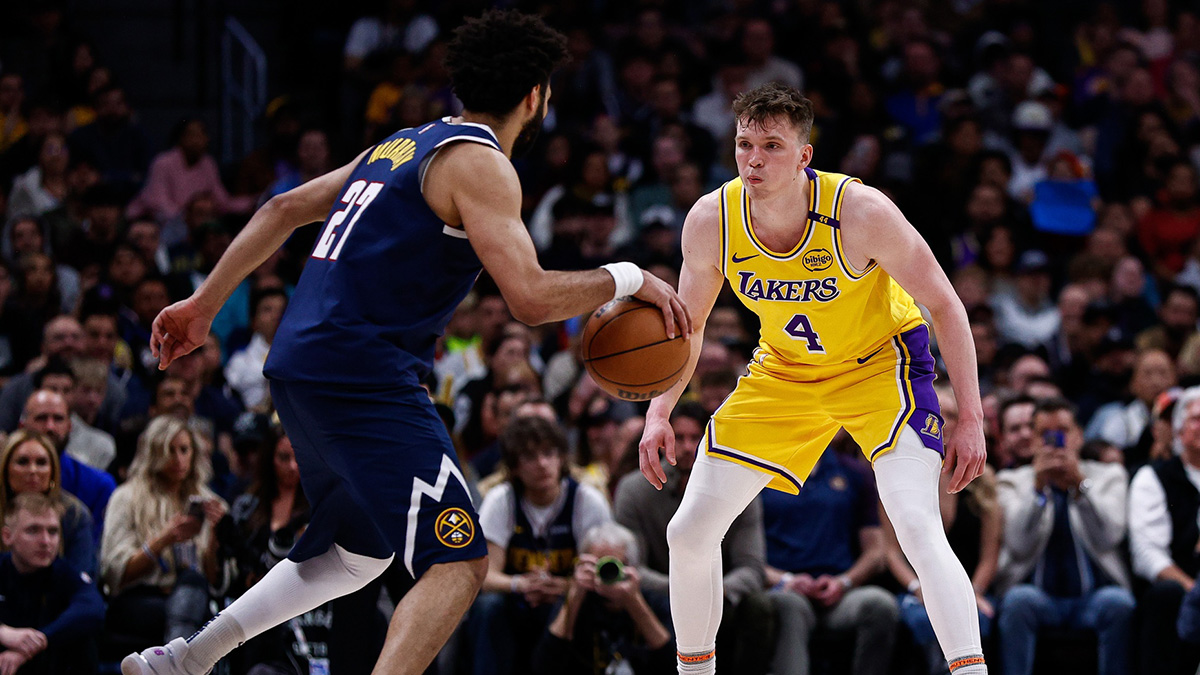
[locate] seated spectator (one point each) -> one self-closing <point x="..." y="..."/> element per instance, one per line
<point x="1028" y="317"/>
<point x="605" y="623"/>
<point x="43" y="187"/>
<point x="244" y="370"/>
<point x="974" y="526"/>
<point x="184" y="171"/>
<point x="1167" y="230"/>
<point x="1164" y="503"/>
<point x="90" y="445"/>
<point x="50" y="613"/>
<point x="46" y="412"/>
<point x="114" y="141"/>
<point x="64" y="338"/>
<point x="647" y="512"/>
<point x="158" y="555"/>
<point x="533" y="524"/>
<point x="823" y="546"/>
<point x="1064" y="524"/>
<point x="25" y="235"/>
<point x="29" y="465"/>
<point x="1122" y="423"/>
<point x="1177" y="322"/>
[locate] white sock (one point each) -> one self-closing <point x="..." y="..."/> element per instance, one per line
<point x="288" y="590"/>
<point x="907" y="478"/>
<point x="717" y="493"/>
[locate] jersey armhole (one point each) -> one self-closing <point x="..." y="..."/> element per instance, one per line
<point x="438" y="148"/>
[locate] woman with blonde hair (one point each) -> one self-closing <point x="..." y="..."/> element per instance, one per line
<point x="29" y="463"/>
<point x="158" y="554"/>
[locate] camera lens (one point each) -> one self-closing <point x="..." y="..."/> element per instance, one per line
<point x="609" y="570"/>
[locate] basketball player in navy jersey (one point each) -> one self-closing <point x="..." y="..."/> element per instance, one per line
<point x="408" y="226"/>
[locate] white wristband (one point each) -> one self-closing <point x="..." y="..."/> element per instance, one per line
<point x="627" y="277"/>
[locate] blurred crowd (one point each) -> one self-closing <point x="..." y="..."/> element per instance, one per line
<point x="1049" y="158"/>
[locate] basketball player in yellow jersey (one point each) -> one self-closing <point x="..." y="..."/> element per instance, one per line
<point x="834" y="272"/>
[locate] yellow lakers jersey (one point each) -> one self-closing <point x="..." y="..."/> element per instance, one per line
<point x="814" y="307"/>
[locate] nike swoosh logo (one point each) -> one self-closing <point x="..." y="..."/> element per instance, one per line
<point x="736" y="259"/>
<point x="868" y="356"/>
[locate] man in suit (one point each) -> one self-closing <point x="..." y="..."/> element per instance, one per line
<point x="1065" y="520"/>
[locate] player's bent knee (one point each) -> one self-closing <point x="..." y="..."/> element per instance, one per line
<point x="687" y="534"/>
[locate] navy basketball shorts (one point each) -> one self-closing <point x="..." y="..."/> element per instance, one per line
<point x="380" y="475"/>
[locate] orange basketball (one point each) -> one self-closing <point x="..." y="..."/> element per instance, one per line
<point x="627" y="352"/>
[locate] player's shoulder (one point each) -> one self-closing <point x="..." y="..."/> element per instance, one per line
<point x="704" y="215"/>
<point x="707" y="206"/>
<point x="865" y="203"/>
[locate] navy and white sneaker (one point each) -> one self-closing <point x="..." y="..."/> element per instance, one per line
<point x="165" y="660"/>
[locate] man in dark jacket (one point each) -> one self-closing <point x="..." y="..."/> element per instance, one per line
<point x="50" y="614"/>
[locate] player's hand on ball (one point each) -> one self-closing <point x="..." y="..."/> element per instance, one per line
<point x="966" y="453"/>
<point x="658" y="434"/>
<point x="178" y="330"/>
<point x="675" y="314"/>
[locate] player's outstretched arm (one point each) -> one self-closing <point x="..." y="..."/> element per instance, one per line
<point x="873" y="228"/>
<point x="474" y="185"/>
<point x="182" y="327"/>
<point x="700" y="282"/>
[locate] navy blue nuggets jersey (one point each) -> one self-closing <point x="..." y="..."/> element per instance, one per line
<point x="385" y="274"/>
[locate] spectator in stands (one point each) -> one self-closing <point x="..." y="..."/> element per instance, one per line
<point x="12" y="123"/>
<point x="1065" y="521"/>
<point x="29" y="465"/>
<point x="158" y="554"/>
<point x="114" y="141"/>
<point x="1122" y="423"/>
<point x="605" y="623"/>
<point x="533" y="524"/>
<point x="46" y="412"/>
<point x="50" y="613"/>
<point x="1167" y="231"/>
<point x="646" y="512"/>
<point x="399" y="25"/>
<point x="181" y="173"/>
<point x="43" y="187"/>
<point x="1029" y="317"/>
<point x="244" y="371"/>
<point x="823" y="547"/>
<point x="85" y="443"/>
<point x="1164" y="503"/>
<point x="312" y="160"/>
<point x="25" y="235"/>
<point x="975" y="526"/>
<point x="1177" y="322"/>
<point x="763" y="66"/>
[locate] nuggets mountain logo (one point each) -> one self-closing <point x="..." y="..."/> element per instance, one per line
<point x="454" y="528"/>
<point x="817" y="260"/>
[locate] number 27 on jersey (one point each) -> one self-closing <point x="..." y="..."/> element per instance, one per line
<point x="356" y="198"/>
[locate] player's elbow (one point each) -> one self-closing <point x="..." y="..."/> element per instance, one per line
<point x="530" y="311"/>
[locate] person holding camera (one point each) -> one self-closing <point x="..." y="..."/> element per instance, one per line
<point x="158" y="555"/>
<point x="533" y="524"/>
<point x="605" y="624"/>
<point x="1061" y="566"/>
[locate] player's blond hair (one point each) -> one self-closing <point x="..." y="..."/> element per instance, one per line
<point x="775" y="102"/>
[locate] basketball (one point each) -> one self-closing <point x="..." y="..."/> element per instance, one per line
<point x="627" y="352"/>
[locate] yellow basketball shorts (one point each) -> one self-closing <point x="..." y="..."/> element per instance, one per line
<point x="779" y="421"/>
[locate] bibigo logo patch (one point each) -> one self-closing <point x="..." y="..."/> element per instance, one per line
<point x="817" y="260"/>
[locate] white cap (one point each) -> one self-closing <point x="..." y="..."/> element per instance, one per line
<point x="1032" y="116"/>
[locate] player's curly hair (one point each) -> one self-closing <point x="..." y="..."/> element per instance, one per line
<point x="775" y="102"/>
<point x="494" y="60"/>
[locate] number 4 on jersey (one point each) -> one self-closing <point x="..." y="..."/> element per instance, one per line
<point x="359" y="194"/>
<point x="800" y="328"/>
